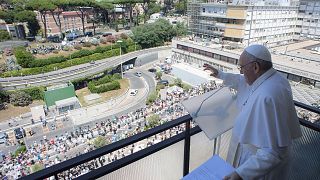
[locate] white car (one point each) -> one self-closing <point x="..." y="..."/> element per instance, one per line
<point x="138" y="74"/>
<point x="133" y="92"/>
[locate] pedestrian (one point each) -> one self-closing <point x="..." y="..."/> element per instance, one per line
<point x="267" y="122"/>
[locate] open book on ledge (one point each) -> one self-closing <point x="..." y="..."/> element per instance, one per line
<point x="213" y="111"/>
<point x="213" y="169"/>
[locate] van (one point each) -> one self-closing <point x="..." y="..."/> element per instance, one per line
<point x="138" y="74"/>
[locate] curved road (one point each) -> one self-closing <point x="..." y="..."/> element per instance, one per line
<point x="72" y="73"/>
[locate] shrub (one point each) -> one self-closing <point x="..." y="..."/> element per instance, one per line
<point x="81" y="53"/>
<point x="160" y="86"/>
<point x="48" y="61"/>
<point x="4" y="35"/>
<point x="36" y="167"/>
<point x="104" y="87"/>
<point x="55" y="51"/>
<point x="77" y="47"/>
<point x="123" y="36"/>
<point x="36" y="93"/>
<point x="111" y="39"/>
<point x="66" y="48"/>
<point x="153" y="120"/>
<point x="152" y="97"/>
<point x="103" y="41"/>
<point x="87" y="44"/>
<point x="20" y="98"/>
<point x="21" y="149"/>
<point x="24" y="58"/>
<point x="99" y="142"/>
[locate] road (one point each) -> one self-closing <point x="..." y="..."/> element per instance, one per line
<point x="72" y="73"/>
<point x="60" y="127"/>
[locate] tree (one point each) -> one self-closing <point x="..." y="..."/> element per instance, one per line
<point x="4" y="35"/>
<point x="181" y="7"/>
<point x="99" y="142"/>
<point x="82" y="7"/>
<point x="178" y="82"/>
<point x="36" y="167"/>
<point x="158" y="75"/>
<point x="105" y="7"/>
<point x="20" y="98"/>
<point x="180" y="29"/>
<point x="61" y="6"/>
<point x="153" y="120"/>
<point x="31" y="18"/>
<point x="152" y="97"/>
<point x="153" y="34"/>
<point x="146" y="6"/>
<point x="43" y="6"/>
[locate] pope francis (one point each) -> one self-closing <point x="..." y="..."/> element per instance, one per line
<point x="267" y="121"/>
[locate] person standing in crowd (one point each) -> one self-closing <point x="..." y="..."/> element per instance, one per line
<point x="267" y="121"/>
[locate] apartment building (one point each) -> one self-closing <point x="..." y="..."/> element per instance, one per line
<point x="70" y="21"/>
<point x="245" y="22"/>
<point x="308" y="23"/>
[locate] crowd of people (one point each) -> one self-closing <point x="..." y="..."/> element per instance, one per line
<point x="48" y="152"/>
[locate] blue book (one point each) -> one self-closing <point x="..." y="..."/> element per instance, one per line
<point x="213" y="169"/>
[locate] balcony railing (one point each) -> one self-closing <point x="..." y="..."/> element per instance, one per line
<point x="184" y="136"/>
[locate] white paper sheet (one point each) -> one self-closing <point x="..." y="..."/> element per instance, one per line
<point x="213" y="111"/>
<point x="213" y="169"/>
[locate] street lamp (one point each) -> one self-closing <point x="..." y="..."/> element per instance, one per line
<point x="135" y="46"/>
<point x="119" y="42"/>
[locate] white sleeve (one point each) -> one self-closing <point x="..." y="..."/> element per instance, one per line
<point x="261" y="163"/>
<point x="230" y="80"/>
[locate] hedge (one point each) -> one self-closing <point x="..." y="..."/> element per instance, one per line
<point x="24" y="58"/>
<point x="103" y="88"/>
<point x="68" y="63"/>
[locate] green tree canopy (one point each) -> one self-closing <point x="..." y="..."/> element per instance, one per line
<point x="4" y="35"/>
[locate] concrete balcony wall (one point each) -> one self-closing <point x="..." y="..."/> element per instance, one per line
<point x="167" y="164"/>
<point x="236" y="13"/>
<point x="236" y="33"/>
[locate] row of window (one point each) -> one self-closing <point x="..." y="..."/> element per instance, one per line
<point x="208" y="54"/>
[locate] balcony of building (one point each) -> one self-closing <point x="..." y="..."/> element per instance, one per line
<point x="236" y="13"/>
<point x="179" y="153"/>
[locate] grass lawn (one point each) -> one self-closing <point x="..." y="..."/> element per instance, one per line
<point x="124" y="84"/>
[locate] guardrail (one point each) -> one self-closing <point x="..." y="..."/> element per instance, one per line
<point x="58" y="168"/>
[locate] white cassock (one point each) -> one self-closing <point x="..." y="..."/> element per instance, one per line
<point x="265" y="127"/>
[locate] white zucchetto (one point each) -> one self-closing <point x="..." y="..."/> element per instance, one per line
<point x="259" y="51"/>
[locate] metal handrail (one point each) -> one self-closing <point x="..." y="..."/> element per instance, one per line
<point x="96" y="173"/>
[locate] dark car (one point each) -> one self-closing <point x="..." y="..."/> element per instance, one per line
<point x="164" y="82"/>
<point x="127" y="27"/>
<point x="19" y="133"/>
<point x="105" y="34"/>
<point x="153" y="70"/>
<point x="90" y="34"/>
<point x="3" y="137"/>
<point x="54" y="38"/>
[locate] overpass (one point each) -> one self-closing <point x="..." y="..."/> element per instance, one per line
<point x="72" y="73"/>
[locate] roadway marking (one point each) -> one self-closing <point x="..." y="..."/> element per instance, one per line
<point x="11" y="136"/>
<point x="59" y="124"/>
<point x="27" y="129"/>
<point x="45" y="129"/>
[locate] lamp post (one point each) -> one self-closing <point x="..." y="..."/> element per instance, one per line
<point x="119" y="42"/>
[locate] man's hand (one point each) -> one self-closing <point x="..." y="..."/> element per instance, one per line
<point x="232" y="176"/>
<point x="214" y="71"/>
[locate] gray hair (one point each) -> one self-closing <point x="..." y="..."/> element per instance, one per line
<point x="264" y="65"/>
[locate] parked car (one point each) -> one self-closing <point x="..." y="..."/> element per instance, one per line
<point x="19" y="133"/>
<point x="105" y="34"/>
<point x="138" y="74"/>
<point x="153" y="70"/>
<point x="90" y="34"/>
<point x="3" y="137"/>
<point x="164" y="82"/>
<point x="133" y="92"/>
<point x="126" y="27"/>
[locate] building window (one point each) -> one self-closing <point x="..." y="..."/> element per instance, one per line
<point x="203" y="9"/>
